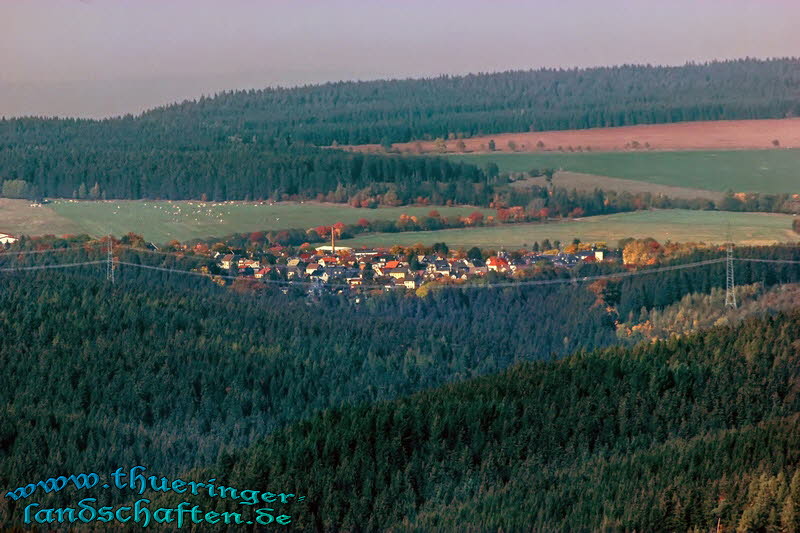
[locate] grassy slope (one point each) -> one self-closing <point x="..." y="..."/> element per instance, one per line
<point x="163" y="221"/>
<point x="676" y="225"/>
<point x="17" y="216"/>
<point x="590" y="182"/>
<point x="768" y="171"/>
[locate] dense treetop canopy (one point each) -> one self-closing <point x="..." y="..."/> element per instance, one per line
<point x="647" y="439"/>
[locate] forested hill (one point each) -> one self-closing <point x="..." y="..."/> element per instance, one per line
<point x="403" y="110"/>
<point x="263" y="144"/>
<point x="534" y="100"/>
<point x="171" y="376"/>
<point x="663" y="437"/>
<point x="171" y="371"/>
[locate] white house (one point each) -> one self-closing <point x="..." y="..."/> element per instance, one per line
<point x="5" y="238"/>
<point x="328" y="249"/>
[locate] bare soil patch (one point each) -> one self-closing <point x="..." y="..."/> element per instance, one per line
<point x="709" y="135"/>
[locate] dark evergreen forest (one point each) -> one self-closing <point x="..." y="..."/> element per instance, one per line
<point x="238" y="172"/>
<point x="262" y="144"/>
<point x="176" y="372"/>
<point x="173" y="376"/>
<point x="671" y="436"/>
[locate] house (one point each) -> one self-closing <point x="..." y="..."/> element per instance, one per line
<point x="398" y="273"/>
<point x="478" y="271"/>
<point x="382" y="259"/>
<point x="461" y="267"/>
<point x="408" y="281"/>
<point x="249" y="263"/>
<point x="566" y="260"/>
<point x="517" y="264"/>
<point x="314" y="272"/>
<point x="354" y="281"/>
<point x="293" y="262"/>
<point x="5" y="238"/>
<point x="329" y="261"/>
<point x="392" y="284"/>
<point x="337" y="272"/>
<point x="365" y="253"/>
<point x="227" y="261"/>
<point x="497" y="264"/>
<point x="385" y="269"/>
<point x="295" y="268"/>
<point x="262" y="273"/>
<point x="330" y="249"/>
<point x="439" y="267"/>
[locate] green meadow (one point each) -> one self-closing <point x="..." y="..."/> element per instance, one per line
<point x="162" y="221"/>
<point x="674" y="225"/>
<point x="766" y="171"/>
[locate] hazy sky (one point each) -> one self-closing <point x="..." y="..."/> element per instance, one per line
<point x="102" y="57"/>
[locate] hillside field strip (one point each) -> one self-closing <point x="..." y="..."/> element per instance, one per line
<point x="765" y="171"/>
<point x="162" y="221"/>
<point x="699" y="135"/>
<point x="674" y="225"/>
<point x="18" y="216"/>
<point x="589" y="182"/>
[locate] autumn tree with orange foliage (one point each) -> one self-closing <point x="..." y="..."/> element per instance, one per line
<point x="641" y="252"/>
<point x="608" y="293"/>
<point x="475" y="218"/>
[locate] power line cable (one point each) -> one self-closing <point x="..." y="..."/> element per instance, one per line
<point x="558" y="281"/>
<point x="752" y="260"/>
<point x="613" y="275"/>
<point x="51" y="250"/>
<point x="223" y="276"/>
<point x="46" y="267"/>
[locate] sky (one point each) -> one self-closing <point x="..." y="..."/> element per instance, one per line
<point x="95" y="58"/>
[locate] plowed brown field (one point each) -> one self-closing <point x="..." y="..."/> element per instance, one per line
<point x="712" y="135"/>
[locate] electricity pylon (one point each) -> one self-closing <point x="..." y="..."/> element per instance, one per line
<point x="730" y="284"/>
<point x="110" y="263"/>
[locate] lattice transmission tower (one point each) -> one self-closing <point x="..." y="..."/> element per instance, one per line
<point x="110" y="262"/>
<point x="730" y="283"/>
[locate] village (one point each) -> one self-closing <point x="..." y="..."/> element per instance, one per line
<point x="341" y="267"/>
<point x="337" y="268"/>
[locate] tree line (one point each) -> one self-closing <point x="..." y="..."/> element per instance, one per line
<point x="237" y="173"/>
